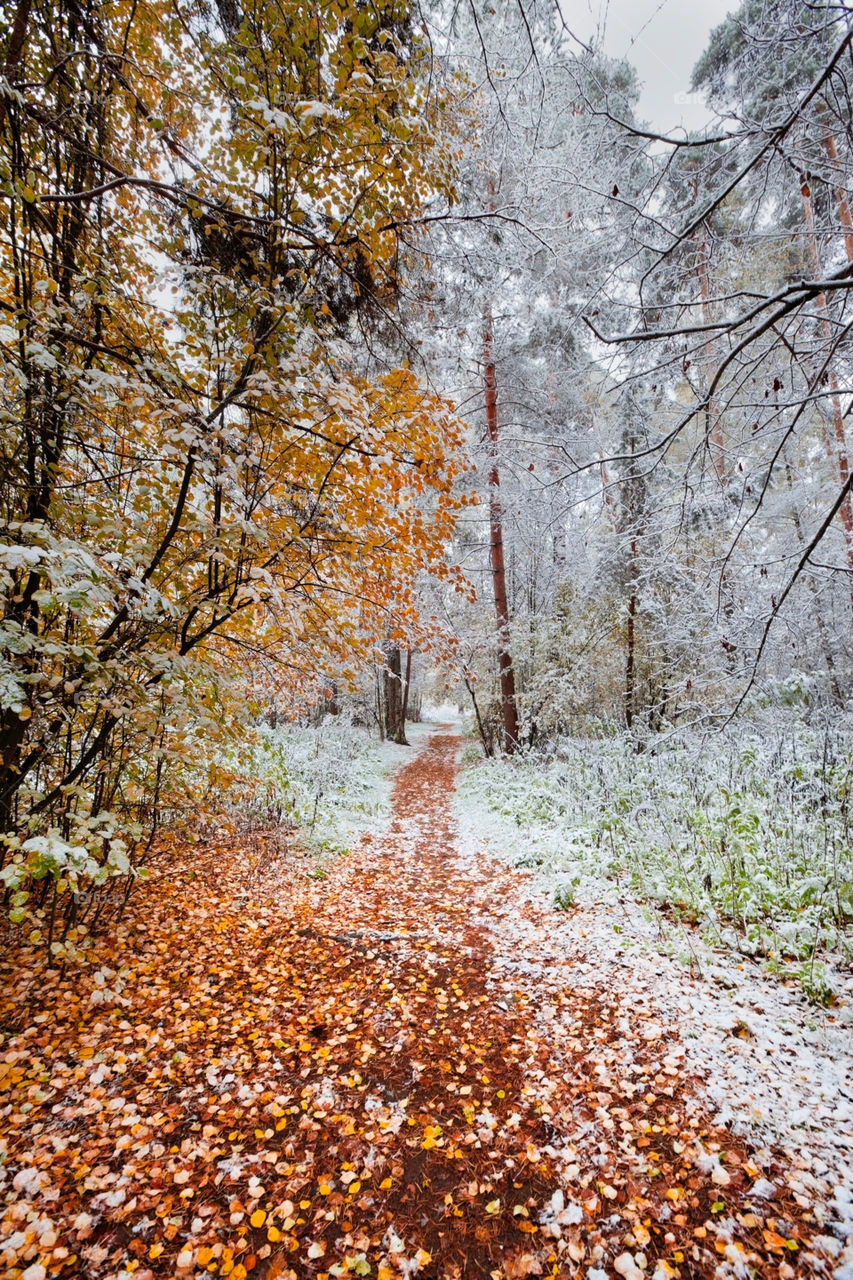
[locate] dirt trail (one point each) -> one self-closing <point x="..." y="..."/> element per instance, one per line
<point x="365" y="1076"/>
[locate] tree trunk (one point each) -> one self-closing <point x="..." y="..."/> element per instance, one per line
<point x="16" y="47"/>
<point x="844" y="216"/>
<point x="379" y="710"/>
<point x="395" y="724"/>
<point x="407" y="683"/>
<point x="496" y="545"/>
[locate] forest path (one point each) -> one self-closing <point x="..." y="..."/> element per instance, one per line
<point x="400" y="1070"/>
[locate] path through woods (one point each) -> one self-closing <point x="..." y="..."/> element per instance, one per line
<point x="390" y="1072"/>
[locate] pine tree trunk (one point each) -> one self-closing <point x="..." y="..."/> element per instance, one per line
<point x="844" y="216"/>
<point x="496" y="546"/>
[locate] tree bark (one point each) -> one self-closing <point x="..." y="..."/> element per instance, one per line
<point x="844" y="216"/>
<point x="407" y="682"/>
<point x="16" y="47"/>
<point x="395" y="723"/>
<point x="509" y="706"/>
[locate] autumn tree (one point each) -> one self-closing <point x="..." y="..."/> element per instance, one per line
<point x="202" y="212"/>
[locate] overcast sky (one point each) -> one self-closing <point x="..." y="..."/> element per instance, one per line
<point x="662" y="38"/>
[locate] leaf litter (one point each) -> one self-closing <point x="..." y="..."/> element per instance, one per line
<point x="407" y="1070"/>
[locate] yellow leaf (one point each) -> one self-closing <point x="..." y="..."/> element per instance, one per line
<point x="494" y="1206"/>
<point x="385" y="1184"/>
<point x="258" y="1218"/>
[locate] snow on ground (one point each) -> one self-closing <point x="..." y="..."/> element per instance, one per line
<point x="774" y="1068"/>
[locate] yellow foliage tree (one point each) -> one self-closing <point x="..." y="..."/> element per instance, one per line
<point x="203" y="213"/>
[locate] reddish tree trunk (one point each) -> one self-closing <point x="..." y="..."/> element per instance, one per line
<point x="844" y="216"/>
<point x="496" y="545"/>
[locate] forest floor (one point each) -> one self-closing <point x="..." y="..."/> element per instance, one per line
<point x="403" y="1068"/>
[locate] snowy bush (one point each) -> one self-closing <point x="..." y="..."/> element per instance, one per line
<point x="331" y="780"/>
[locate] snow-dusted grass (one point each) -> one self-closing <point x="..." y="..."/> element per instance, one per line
<point x="745" y="835"/>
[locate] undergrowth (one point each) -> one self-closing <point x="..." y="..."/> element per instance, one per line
<point x="746" y="835"/>
<point x="330" y="781"/>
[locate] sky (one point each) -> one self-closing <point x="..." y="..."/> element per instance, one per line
<point x="663" y="39"/>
